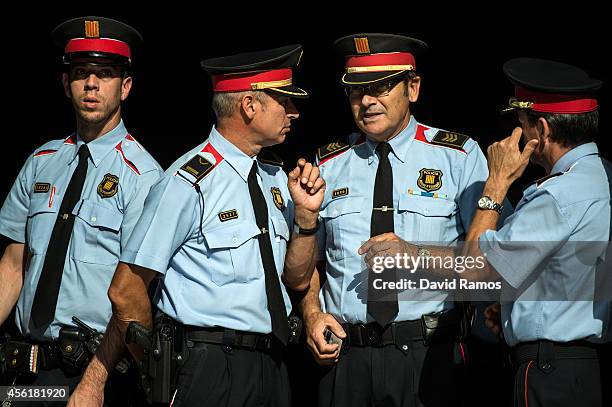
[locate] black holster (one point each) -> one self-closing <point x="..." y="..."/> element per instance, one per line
<point x="452" y="325"/>
<point x="163" y="355"/>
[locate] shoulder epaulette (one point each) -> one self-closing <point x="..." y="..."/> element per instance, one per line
<point x="451" y="140"/>
<point x="269" y="157"/>
<point x="53" y="146"/>
<point x="538" y="182"/>
<point x="201" y="164"/>
<point x="139" y="160"/>
<point x="129" y="163"/>
<point x="331" y="150"/>
<point x="44" y="152"/>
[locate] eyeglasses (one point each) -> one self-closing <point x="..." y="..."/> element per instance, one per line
<point x="376" y="90"/>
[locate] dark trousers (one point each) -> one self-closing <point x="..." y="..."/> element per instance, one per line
<point x="570" y="382"/>
<point x="221" y="376"/>
<point x="121" y="389"/>
<point x="388" y="376"/>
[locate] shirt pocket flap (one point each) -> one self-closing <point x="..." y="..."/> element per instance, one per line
<point x="427" y="206"/>
<point x="343" y="206"/>
<point x="280" y="227"/>
<point x="40" y="204"/>
<point x="99" y="216"/>
<point x="231" y="236"/>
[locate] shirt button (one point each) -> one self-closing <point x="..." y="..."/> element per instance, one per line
<point x="235" y="240"/>
<point x="94" y="219"/>
<point x="335" y="213"/>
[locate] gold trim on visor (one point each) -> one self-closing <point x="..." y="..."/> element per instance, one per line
<point x="391" y="75"/>
<point x="301" y="92"/>
<point x="514" y="103"/>
<point x="271" y="84"/>
<point x="379" y="68"/>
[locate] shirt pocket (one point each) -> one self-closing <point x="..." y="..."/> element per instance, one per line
<point x="233" y="249"/>
<point x="96" y="237"/>
<point x="343" y="217"/>
<point x="425" y="219"/>
<point x="42" y="215"/>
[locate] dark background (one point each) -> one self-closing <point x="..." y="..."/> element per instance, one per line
<point x="168" y="111"/>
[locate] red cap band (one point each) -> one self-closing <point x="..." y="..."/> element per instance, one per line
<point x="251" y="80"/>
<point x="395" y="58"/>
<point x="107" y="45"/>
<point x="556" y="103"/>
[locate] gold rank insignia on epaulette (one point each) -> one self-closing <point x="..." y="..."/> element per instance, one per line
<point x="448" y="139"/>
<point x="269" y="157"/>
<point x="331" y="150"/>
<point x="198" y="167"/>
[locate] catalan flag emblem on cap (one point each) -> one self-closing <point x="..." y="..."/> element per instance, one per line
<point x="374" y="57"/>
<point x="92" y="29"/>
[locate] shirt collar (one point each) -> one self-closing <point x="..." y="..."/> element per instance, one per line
<point x="568" y="159"/>
<point x="100" y="147"/>
<point x="241" y="162"/>
<point x="399" y="143"/>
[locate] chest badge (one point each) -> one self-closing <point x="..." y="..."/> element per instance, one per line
<point x="278" y="198"/>
<point x="228" y="215"/>
<point x="41" y="187"/>
<point x="340" y="192"/>
<point x="430" y="179"/>
<point x="109" y="185"/>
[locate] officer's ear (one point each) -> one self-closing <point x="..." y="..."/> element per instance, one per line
<point x="248" y="105"/>
<point x="66" y="84"/>
<point x="126" y="86"/>
<point x="544" y="129"/>
<point x="413" y="86"/>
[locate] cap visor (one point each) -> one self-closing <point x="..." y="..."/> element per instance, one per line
<point x="291" y="91"/>
<point x="369" y="77"/>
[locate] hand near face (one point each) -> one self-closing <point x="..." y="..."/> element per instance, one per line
<point x="506" y="161"/>
<point x="307" y="189"/>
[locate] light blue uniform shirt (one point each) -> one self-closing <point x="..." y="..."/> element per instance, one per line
<point x="216" y="279"/>
<point x="558" y="212"/>
<point x="435" y="194"/>
<point x="104" y="218"/>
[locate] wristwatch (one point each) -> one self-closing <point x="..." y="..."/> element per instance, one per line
<point x="423" y="252"/>
<point x="306" y="232"/>
<point x="486" y="203"/>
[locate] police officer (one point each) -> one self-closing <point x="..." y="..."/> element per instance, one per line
<point x="555" y="329"/>
<point x="72" y="209"/>
<point x="222" y="228"/>
<point x="397" y="177"/>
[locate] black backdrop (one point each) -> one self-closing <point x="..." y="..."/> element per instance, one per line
<point x="169" y="110"/>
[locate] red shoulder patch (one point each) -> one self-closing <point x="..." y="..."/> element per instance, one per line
<point x="125" y="160"/>
<point x="45" y="152"/>
<point x="199" y="167"/>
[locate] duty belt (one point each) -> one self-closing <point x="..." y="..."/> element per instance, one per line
<point x="374" y="335"/>
<point x="545" y="352"/>
<point x="231" y="338"/>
